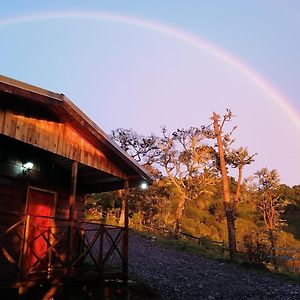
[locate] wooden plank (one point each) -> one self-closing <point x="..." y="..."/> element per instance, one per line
<point x="45" y="133"/>
<point x="60" y="141"/>
<point x="2" y="119"/>
<point x="13" y="127"/>
<point x="51" y="137"/>
<point x="20" y="127"/>
<point x="30" y="132"/>
<point x="7" y="123"/>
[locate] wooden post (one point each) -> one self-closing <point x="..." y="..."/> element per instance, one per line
<point x="125" y="235"/>
<point x="24" y="249"/>
<point x="72" y="202"/>
<point x="100" y="258"/>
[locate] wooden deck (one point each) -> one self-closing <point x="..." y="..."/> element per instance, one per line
<point x="31" y="252"/>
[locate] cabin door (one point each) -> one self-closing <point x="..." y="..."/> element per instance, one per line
<point x="40" y="209"/>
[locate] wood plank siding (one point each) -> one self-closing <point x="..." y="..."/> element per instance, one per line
<point x="57" y="138"/>
<point x="43" y="234"/>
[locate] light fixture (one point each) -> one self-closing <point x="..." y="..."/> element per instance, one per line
<point x="27" y="167"/>
<point x="144" y="185"/>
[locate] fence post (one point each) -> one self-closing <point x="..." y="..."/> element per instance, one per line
<point x="100" y="258"/>
<point x="22" y="261"/>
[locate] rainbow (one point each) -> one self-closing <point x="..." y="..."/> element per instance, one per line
<point x="281" y="101"/>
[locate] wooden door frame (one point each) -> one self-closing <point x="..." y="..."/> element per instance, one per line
<point x="26" y="228"/>
<point x="30" y="187"/>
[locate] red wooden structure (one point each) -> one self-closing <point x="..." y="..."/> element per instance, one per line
<point x="51" y="156"/>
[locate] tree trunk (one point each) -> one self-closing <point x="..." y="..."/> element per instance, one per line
<point x="226" y="191"/>
<point x="273" y="252"/>
<point x="230" y="229"/>
<point x="179" y="214"/>
<point x="238" y="189"/>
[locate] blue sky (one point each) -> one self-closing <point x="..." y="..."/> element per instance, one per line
<point x="123" y="75"/>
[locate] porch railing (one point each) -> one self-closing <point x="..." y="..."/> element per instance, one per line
<point x="34" y="247"/>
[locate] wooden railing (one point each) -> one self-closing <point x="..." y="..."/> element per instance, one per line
<point x="39" y="247"/>
<point x="287" y="259"/>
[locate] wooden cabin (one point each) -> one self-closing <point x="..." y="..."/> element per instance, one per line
<point x="51" y="156"/>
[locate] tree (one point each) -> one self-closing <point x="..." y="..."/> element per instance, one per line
<point x="144" y="149"/>
<point x="237" y="159"/>
<point x="186" y="162"/>
<point x="228" y="207"/>
<point x="270" y="203"/>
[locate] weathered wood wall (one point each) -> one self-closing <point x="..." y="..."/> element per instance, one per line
<point x="13" y="196"/>
<point x="57" y="138"/>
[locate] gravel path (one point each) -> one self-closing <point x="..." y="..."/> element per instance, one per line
<point x="179" y="275"/>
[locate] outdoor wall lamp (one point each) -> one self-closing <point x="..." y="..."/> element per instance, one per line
<point x="144" y="186"/>
<point x="27" y="167"/>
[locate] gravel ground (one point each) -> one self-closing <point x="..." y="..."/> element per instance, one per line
<point x="179" y="275"/>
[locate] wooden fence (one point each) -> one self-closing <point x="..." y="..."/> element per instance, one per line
<point x="199" y="240"/>
<point x="287" y="259"/>
<point x="35" y="247"/>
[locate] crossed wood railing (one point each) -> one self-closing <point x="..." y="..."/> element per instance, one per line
<point x="29" y="249"/>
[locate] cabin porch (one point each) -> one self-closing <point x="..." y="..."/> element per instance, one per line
<point x="36" y="249"/>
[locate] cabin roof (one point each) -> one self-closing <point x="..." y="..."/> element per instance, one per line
<point x="63" y="110"/>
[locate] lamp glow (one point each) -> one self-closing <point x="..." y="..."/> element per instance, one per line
<point x="27" y="167"/>
<point x="144" y="186"/>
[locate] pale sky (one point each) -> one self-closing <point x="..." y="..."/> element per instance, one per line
<point x="143" y="64"/>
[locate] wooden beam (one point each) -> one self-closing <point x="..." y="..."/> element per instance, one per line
<point x="73" y="191"/>
<point x="72" y="202"/>
<point x="125" y="235"/>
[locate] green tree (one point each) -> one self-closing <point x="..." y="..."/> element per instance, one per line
<point x="185" y="160"/>
<point x="238" y="158"/>
<point x="270" y="203"/>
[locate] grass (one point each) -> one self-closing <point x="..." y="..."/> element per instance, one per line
<point x="287" y="276"/>
<point x="206" y="248"/>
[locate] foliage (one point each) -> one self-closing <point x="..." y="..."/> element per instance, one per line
<point x="187" y="194"/>
<point x="268" y="198"/>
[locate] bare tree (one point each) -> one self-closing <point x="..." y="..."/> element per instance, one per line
<point x="144" y="149"/>
<point x="228" y="207"/>
<point x="236" y="158"/>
